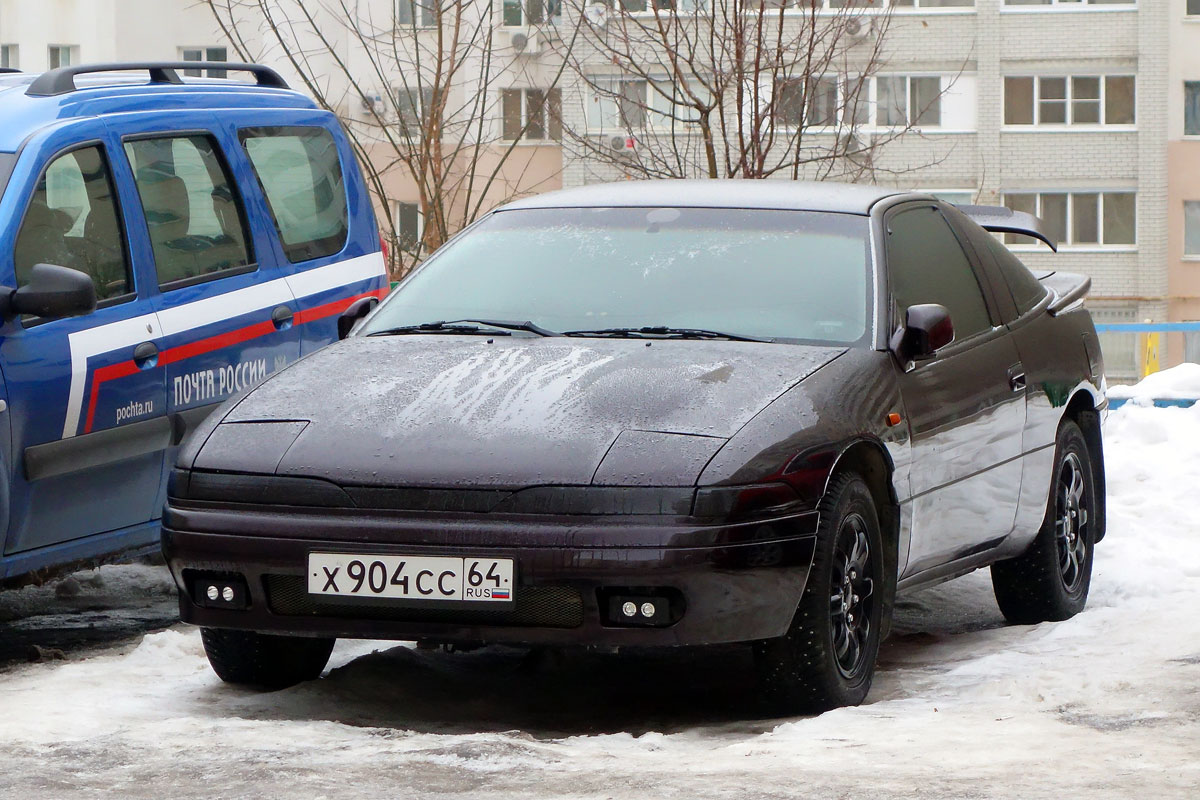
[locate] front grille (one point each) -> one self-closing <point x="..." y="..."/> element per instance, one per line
<point x="534" y="606"/>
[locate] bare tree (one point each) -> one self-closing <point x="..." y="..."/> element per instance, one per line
<point x="738" y="89"/>
<point x="418" y="85"/>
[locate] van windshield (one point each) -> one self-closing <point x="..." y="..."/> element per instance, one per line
<point x="781" y="275"/>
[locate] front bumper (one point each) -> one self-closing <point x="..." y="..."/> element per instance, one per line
<point x="734" y="583"/>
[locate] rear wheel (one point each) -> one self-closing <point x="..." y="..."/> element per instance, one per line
<point x="264" y="660"/>
<point x="827" y="658"/>
<point x="1050" y="580"/>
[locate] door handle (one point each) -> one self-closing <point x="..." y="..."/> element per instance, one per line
<point x="1016" y="380"/>
<point x="282" y="317"/>
<point x="145" y="355"/>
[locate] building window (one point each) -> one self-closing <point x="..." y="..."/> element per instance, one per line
<point x="902" y="100"/>
<point x="519" y="13"/>
<point x="205" y="54"/>
<point x="8" y="56"/>
<point x="410" y="226"/>
<point x="1191" y="107"/>
<point x="1072" y="3"/>
<point x="1069" y="100"/>
<point x="1193" y="7"/>
<point x="417" y="13"/>
<point x="1082" y="219"/>
<point x="1191" y="228"/>
<point x="618" y="104"/>
<point x="62" y="55"/>
<point x="411" y="105"/>
<point x="531" y="114"/>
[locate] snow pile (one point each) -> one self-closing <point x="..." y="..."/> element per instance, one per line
<point x="1177" y="383"/>
<point x="1106" y="705"/>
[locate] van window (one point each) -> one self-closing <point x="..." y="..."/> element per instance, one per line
<point x="301" y="176"/>
<point x="73" y="221"/>
<point x="197" y="227"/>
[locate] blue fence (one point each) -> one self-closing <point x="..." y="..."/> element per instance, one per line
<point x="1146" y="350"/>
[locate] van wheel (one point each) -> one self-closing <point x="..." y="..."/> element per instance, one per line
<point x="1050" y="580"/>
<point x="827" y="658"/>
<point x="264" y="660"/>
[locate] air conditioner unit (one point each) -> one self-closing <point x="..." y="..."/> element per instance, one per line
<point x="525" y="42"/>
<point x="860" y="27"/>
<point x="372" y="103"/>
<point x="621" y="145"/>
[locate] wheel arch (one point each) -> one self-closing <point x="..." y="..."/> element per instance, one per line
<point x="868" y="458"/>
<point x="1081" y="409"/>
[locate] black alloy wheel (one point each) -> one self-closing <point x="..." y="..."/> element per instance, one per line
<point x="853" y="599"/>
<point x="1071" y="521"/>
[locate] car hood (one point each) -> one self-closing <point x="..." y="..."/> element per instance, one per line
<point x="453" y="411"/>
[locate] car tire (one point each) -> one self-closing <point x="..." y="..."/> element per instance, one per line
<point x="1050" y="580"/>
<point x="265" y="660"/>
<point x="827" y="657"/>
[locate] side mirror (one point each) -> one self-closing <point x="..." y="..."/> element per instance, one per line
<point x="927" y="329"/>
<point x="53" y="292"/>
<point x="355" y="314"/>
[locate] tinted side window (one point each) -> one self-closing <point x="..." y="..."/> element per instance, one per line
<point x="926" y="264"/>
<point x="301" y="175"/>
<point x="1027" y="291"/>
<point x="194" y="214"/>
<point x="73" y="221"/>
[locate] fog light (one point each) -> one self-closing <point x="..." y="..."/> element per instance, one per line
<point x="212" y="593"/>
<point x="218" y="589"/>
<point x="631" y="609"/>
<point x="640" y="607"/>
<point x="227" y="594"/>
<point x="647" y="610"/>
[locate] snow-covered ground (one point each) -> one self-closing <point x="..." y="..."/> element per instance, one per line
<point x="1106" y="705"/>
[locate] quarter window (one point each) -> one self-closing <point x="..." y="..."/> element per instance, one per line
<point x="193" y="212"/>
<point x="73" y="221"/>
<point x="926" y="264"/>
<point x="301" y="175"/>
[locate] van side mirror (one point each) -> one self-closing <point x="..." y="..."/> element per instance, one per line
<point x="53" y="292"/>
<point x="355" y="314"/>
<point x="927" y="329"/>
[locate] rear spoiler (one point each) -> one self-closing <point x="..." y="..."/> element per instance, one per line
<point x="1069" y="289"/>
<point x="999" y="219"/>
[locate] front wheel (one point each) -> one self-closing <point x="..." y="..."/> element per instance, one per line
<point x="827" y="658"/>
<point x="1050" y="580"/>
<point x="264" y="660"/>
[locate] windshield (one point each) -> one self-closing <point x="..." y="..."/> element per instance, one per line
<point x="791" y="275"/>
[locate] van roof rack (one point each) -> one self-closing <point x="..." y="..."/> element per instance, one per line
<point x="62" y="80"/>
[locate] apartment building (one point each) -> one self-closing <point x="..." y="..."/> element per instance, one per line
<point x="1086" y="112"/>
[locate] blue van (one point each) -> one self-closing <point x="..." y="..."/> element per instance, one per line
<point x="163" y="245"/>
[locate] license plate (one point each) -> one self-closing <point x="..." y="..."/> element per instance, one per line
<point x="483" y="580"/>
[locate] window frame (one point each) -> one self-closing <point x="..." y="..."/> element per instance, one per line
<point x="551" y="11"/>
<point x="415" y="249"/>
<point x="419" y="21"/>
<point x="72" y="51"/>
<point x="248" y="132"/>
<point x="122" y="227"/>
<point x="547" y="110"/>
<point x="1069" y="104"/>
<point x="1066" y="244"/>
<point x="1195" y="85"/>
<point x="10" y="55"/>
<point x="204" y="51"/>
<point x="419" y="97"/>
<point x="1195" y="256"/>
<point x="1066" y="6"/>
<point x="978" y="270"/>
<point x="252" y="264"/>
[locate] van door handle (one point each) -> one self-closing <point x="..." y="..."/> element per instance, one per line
<point x="282" y="317"/>
<point x="145" y="355"/>
<point x="1016" y="380"/>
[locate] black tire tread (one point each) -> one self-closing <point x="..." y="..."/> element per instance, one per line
<point x="265" y="660"/>
<point x="1029" y="587"/>
<point x="797" y="673"/>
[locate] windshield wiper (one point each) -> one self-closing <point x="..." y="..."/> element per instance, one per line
<point x="442" y="326"/>
<point x="469" y="326"/>
<point x="664" y="330"/>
